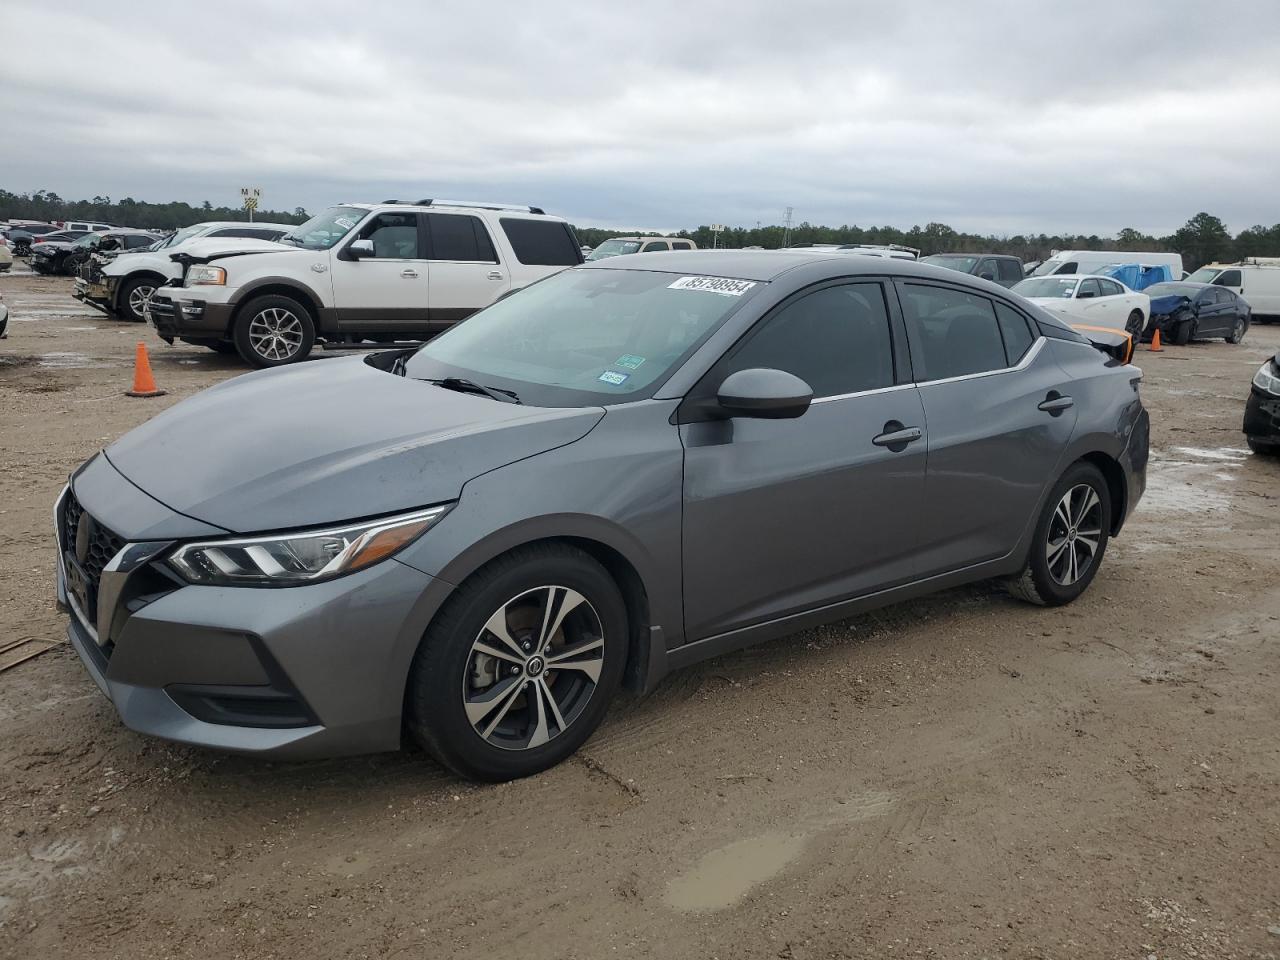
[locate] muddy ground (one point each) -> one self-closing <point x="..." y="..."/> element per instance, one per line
<point x="966" y="776"/>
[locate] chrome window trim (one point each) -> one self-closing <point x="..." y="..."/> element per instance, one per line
<point x="863" y="393"/>
<point x="1022" y="364"/>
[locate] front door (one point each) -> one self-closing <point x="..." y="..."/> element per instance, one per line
<point x="388" y="290"/>
<point x="1000" y="416"/>
<point x="781" y="516"/>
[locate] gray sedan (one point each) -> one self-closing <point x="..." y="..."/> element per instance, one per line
<point x="618" y="471"/>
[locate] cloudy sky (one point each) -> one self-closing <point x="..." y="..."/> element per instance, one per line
<point x="996" y="117"/>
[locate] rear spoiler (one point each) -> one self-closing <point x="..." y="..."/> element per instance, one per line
<point x="1116" y="344"/>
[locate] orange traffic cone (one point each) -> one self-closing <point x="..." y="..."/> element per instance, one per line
<point x="144" y="384"/>
<point x="1155" y="341"/>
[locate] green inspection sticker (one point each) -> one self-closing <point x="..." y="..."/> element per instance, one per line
<point x="629" y="361"/>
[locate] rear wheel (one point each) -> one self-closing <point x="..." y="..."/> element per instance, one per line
<point x="518" y="667"/>
<point x="1070" y="539"/>
<point x="1237" y="331"/>
<point x="1133" y="326"/>
<point x="273" y="330"/>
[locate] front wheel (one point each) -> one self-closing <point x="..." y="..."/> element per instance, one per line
<point x="274" y="330"/>
<point x="1133" y="326"/>
<point x="1182" y="333"/>
<point x="134" y="297"/>
<point x="517" y="669"/>
<point x="1070" y="539"/>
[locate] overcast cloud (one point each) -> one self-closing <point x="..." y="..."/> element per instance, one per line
<point x="993" y="117"/>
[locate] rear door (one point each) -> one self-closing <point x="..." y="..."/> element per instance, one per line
<point x="781" y="516"/>
<point x="999" y="416"/>
<point x="389" y="289"/>
<point x="466" y="273"/>
<point x="1215" y="314"/>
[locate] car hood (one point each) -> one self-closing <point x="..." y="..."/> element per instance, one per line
<point x="51" y="246"/>
<point x="205" y="249"/>
<point x="1162" y="306"/>
<point x="329" y="441"/>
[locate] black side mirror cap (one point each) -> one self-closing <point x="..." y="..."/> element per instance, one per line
<point x="764" y="394"/>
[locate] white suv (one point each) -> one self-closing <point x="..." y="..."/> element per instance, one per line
<point x="359" y="271"/>
<point x="120" y="285"/>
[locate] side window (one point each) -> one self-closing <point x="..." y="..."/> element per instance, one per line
<point x="986" y="270"/>
<point x="836" y="340"/>
<point x="954" y="334"/>
<point x="1110" y="288"/>
<point x="265" y="234"/>
<point x="460" y="237"/>
<point x="394" y="236"/>
<point x="1016" y="333"/>
<point x="1069" y="267"/>
<point x="655" y="246"/>
<point x="1228" y="278"/>
<point x="134" y="241"/>
<point x="542" y="243"/>
<point x="1088" y="289"/>
<point x="235" y="232"/>
<point x="681" y="245"/>
<point x="1010" y="271"/>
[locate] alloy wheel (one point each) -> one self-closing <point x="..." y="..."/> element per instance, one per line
<point x="275" y="334"/>
<point x="139" y="297"/>
<point x="533" y="667"/>
<point x="1074" y="534"/>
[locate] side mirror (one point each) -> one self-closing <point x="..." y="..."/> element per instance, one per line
<point x="764" y="394"/>
<point x="1085" y="295"/>
<point x="987" y="276"/>
<point x="359" y="249"/>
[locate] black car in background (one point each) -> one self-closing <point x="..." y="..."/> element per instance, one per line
<point x="61" y="257"/>
<point x="998" y="268"/>
<point x="1184" y="311"/>
<point x="1262" y="409"/>
<point x="21" y="237"/>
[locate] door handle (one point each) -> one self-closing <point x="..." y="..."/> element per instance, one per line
<point x="495" y="274"/>
<point x="896" y="436"/>
<point x="1055" y="403"/>
<point x="409" y="273"/>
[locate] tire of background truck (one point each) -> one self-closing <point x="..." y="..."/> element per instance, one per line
<point x="1070" y="539"/>
<point x="493" y="698"/>
<point x="1238" y="331"/>
<point x="1182" y="333"/>
<point x="1133" y="326"/>
<point x="273" y="330"/>
<point x="1262" y="447"/>
<point x="133" y="297"/>
<point x="222" y="346"/>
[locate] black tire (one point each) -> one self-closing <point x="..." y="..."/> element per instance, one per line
<point x="257" y="316"/>
<point x="1041" y="580"/>
<point x="132" y="294"/>
<point x="447" y="668"/>
<point x="1238" y="331"/>
<point x="221" y="346"/>
<point x="1133" y="326"/>
<point x="1182" y="333"/>
<point x="1263" y="447"/>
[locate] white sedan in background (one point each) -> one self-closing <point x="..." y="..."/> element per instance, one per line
<point x="1090" y="300"/>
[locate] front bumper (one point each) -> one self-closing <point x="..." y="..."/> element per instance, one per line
<point x="100" y="293"/>
<point x="176" y="314"/>
<point x="295" y="672"/>
<point x="1262" y="416"/>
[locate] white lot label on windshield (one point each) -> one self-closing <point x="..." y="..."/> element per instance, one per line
<point x="721" y="285"/>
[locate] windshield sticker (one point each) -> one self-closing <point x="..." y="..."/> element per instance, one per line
<point x="629" y="361"/>
<point x="344" y="223"/>
<point x="720" y="285"/>
<point x="613" y="377"/>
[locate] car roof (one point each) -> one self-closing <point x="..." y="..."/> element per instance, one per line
<point x="661" y="237"/>
<point x="452" y="206"/>
<point x="769" y="265"/>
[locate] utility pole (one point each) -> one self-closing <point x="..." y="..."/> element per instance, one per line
<point x="786" y="233"/>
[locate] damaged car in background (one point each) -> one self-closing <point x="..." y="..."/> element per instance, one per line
<point x="1183" y="311"/>
<point x="56" y="257"/>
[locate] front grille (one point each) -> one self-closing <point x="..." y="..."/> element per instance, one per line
<point x="101" y="546"/>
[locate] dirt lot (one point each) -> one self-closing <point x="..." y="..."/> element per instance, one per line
<point x="966" y="776"/>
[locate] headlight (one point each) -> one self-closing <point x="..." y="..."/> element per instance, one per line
<point x="201" y="274"/>
<point x="1267" y="379"/>
<point x="308" y="556"/>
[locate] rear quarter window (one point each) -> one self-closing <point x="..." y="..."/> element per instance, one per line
<point x="542" y="243"/>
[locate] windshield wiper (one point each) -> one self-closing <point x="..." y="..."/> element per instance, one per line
<point x="470" y="386"/>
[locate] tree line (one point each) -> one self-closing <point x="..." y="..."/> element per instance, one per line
<point x="1202" y="239"/>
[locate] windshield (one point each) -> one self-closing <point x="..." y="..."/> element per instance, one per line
<point x="584" y="337"/>
<point x="612" y="248"/>
<point x="1058" y="287"/>
<point x="963" y="264"/>
<point x="325" y="229"/>
<point x="88" y="240"/>
<point x="1204" y="275"/>
<point x="1171" y="290"/>
<point x="186" y="233"/>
